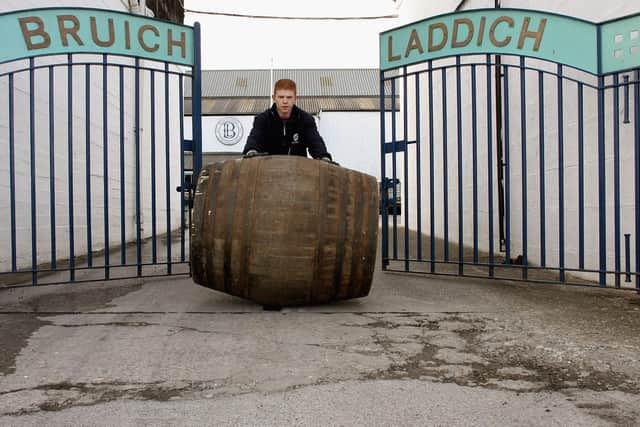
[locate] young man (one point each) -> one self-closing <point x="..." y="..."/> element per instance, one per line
<point x="285" y="128"/>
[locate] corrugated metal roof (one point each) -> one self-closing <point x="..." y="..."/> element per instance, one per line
<point x="311" y="104"/>
<point x="310" y="82"/>
<point x="238" y="92"/>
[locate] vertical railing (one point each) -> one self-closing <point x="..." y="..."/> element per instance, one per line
<point x="445" y="166"/>
<point x="459" y="168"/>
<point x="383" y="174"/>
<point x="26" y="145"/>
<point x="432" y="215"/>
<point x="573" y="260"/>
<point x="196" y="100"/>
<point x="561" y="229"/>
<point x="105" y="166"/>
<point x="32" y="172"/>
<point x="490" y="167"/>
<point x="65" y="178"/>
<point x="636" y="127"/>
<point x="405" y="168"/>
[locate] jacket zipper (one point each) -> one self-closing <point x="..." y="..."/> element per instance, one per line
<point x="284" y="133"/>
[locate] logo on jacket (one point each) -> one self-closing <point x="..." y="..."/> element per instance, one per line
<point x="296" y="138"/>
<point x="229" y="131"/>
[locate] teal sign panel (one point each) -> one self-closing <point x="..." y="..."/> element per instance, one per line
<point x="54" y="31"/>
<point x="547" y="36"/>
<point x="621" y="44"/>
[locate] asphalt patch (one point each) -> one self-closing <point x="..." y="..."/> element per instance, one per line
<point x="19" y="318"/>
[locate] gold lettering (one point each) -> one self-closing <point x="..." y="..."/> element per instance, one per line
<point x="127" y="35"/>
<point x="390" y="56"/>
<point x="492" y="31"/>
<point x="141" y="32"/>
<point x="456" y="24"/>
<point x="445" y="36"/>
<point x="483" y="21"/>
<point x="535" y="34"/>
<point x="414" y="43"/>
<point x="65" y="31"/>
<point x="94" y="33"/>
<point x="182" y="43"/>
<point x="28" y="34"/>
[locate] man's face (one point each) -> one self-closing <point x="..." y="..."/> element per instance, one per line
<point x="284" y="99"/>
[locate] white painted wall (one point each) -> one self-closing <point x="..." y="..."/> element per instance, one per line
<point x="353" y="139"/>
<point x="58" y="128"/>
<point x="413" y="10"/>
<point x="210" y="143"/>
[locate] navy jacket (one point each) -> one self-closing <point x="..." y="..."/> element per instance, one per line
<point x="294" y="136"/>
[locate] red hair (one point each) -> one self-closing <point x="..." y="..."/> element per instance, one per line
<point x="285" y="84"/>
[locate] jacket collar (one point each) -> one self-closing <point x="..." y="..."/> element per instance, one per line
<point x="295" y="112"/>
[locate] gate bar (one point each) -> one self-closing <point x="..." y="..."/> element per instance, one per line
<point x="507" y="167"/>
<point x="196" y="103"/>
<point x="72" y="256"/>
<point x="602" y="195"/>
<point x="445" y="179"/>
<point x="405" y="167"/>
<point x="52" y="169"/>
<point x="32" y="163"/>
<point x="460" y="189"/>
<point x="490" y="165"/>
<point x="138" y="183"/>
<point x="523" y="166"/>
<point x="637" y="173"/>
<point x="625" y="79"/>
<point x="87" y="126"/>
<point x="123" y="252"/>
<point x="152" y="78"/>
<point x="167" y="165"/>
<point x="616" y="174"/>
<point x="627" y="257"/>
<point x="12" y="176"/>
<point x="541" y="129"/>
<point x="182" y="181"/>
<point x="580" y="175"/>
<point x="431" y="174"/>
<point x="393" y="167"/>
<point x="560" y="90"/>
<point x="105" y="163"/>
<point x="418" y="167"/>
<point x="474" y="127"/>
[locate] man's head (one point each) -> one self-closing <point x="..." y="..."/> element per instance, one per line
<point x="284" y="96"/>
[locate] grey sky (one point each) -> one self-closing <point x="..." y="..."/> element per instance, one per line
<point x="230" y="42"/>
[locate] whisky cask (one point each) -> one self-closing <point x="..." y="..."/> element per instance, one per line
<point x="284" y="230"/>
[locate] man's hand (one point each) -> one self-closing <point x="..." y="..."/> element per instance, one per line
<point x="328" y="160"/>
<point x="253" y="153"/>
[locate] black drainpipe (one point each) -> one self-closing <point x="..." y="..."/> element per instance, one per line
<point x="499" y="152"/>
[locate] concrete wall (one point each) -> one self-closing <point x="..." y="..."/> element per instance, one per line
<point x="57" y="128"/>
<point x="412" y="11"/>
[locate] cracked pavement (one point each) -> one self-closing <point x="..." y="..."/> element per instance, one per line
<point x="417" y="351"/>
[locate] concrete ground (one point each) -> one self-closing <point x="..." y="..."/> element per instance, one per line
<point x="417" y="351"/>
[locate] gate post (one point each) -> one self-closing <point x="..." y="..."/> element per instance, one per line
<point x="383" y="191"/>
<point x="196" y="102"/>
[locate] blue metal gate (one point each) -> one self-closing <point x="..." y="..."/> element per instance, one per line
<point x="517" y="146"/>
<point x="92" y="145"/>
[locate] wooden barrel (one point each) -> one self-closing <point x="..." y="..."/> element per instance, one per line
<point x="284" y="230"/>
